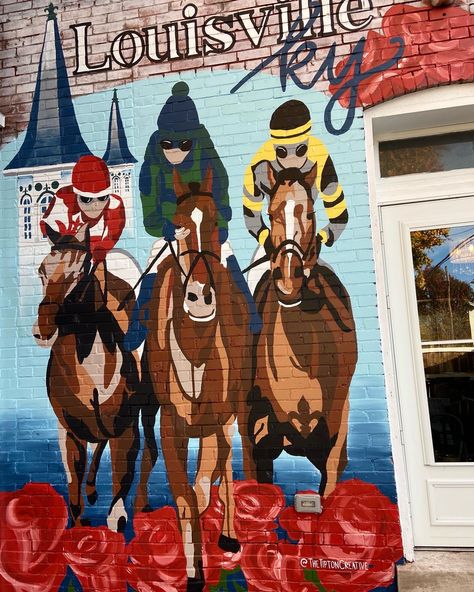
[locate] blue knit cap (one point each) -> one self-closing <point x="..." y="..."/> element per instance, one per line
<point x="179" y="112"/>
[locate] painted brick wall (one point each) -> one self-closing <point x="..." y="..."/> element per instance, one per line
<point x="286" y="380"/>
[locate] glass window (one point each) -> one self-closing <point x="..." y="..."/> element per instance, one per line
<point x="443" y="260"/>
<point x="429" y="154"/>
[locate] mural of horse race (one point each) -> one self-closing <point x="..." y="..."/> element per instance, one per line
<point x="194" y="336"/>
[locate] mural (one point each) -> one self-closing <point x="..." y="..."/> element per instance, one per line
<point x="184" y="405"/>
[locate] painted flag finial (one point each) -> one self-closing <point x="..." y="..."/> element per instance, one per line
<point x="51" y="10"/>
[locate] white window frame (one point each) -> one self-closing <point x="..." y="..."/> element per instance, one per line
<point x="428" y="112"/>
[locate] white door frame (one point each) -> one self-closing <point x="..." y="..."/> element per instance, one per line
<point x="426" y="112"/>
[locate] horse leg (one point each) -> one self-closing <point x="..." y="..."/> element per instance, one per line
<point x="174" y="444"/>
<point x="123" y="454"/>
<point x="337" y="458"/>
<point x="267" y="441"/>
<point x="76" y="454"/>
<point x="205" y="475"/>
<point x="228" y="539"/>
<point x="150" y="453"/>
<point x="91" y="491"/>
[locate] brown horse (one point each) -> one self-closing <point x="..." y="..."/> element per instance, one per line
<point x="197" y="355"/>
<point x="306" y="354"/>
<point x="91" y="380"/>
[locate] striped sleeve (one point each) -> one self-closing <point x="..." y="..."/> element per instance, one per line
<point x="331" y="192"/>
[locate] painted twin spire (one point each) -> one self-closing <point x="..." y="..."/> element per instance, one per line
<point x="53" y="136"/>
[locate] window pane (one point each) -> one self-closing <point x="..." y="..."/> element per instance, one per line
<point x="443" y="261"/>
<point x="429" y="154"/>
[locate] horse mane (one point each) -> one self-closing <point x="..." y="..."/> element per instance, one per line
<point x="81" y="315"/>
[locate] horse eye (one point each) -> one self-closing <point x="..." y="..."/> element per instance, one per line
<point x="281" y="152"/>
<point x="301" y="150"/>
<point x="277" y="274"/>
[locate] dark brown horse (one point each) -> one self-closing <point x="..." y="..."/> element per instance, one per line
<point x="197" y="354"/>
<point x="91" y="380"/>
<point x="306" y="354"/>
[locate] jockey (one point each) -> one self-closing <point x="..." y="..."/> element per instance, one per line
<point x="291" y="145"/>
<point x="181" y="143"/>
<point x="88" y="200"/>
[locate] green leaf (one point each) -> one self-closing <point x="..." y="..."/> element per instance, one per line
<point x="71" y="587"/>
<point x="310" y="575"/>
<point x="227" y="581"/>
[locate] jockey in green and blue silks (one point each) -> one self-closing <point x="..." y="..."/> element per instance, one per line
<point x="180" y="143"/>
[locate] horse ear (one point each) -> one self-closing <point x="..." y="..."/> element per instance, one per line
<point x="310" y="176"/>
<point x="206" y="185"/>
<point x="271" y="176"/>
<point x="53" y="235"/>
<point x="83" y="235"/>
<point x="178" y="186"/>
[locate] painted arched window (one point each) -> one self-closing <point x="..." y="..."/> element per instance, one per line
<point x="43" y="203"/>
<point x="116" y="184"/>
<point x="126" y="182"/>
<point x="25" y="203"/>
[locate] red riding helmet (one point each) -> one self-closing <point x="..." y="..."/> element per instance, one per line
<point x="90" y="177"/>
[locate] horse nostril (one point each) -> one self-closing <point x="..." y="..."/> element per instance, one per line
<point x="298" y="272"/>
<point x="36" y="335"/>
<point x="208" y="299"/>
<point x="277" y="274"/>
<point x="192" y="297"/>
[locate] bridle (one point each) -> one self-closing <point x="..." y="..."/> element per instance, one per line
<point x="198" y="254"/>
<point x="87" y="277"/>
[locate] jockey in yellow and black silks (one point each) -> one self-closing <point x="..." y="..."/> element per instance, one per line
<point x="291" y="145"/>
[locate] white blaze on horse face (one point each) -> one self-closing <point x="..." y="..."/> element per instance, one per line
<point x="196" y="217"/>
<point x="290" y="227"/>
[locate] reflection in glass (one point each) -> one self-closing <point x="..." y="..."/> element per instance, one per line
<point x="428" y="154"/>
<point x="443" y="261"/>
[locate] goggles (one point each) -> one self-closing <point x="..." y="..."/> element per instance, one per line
<point x="87" y="200"/>
<point x="183" y="145"/>
<point x="283" y="151"/>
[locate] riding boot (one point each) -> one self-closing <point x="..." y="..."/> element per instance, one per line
<point x="137" y="330"/>
<point x="255" y="323"/>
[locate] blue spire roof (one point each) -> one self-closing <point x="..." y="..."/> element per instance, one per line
<point x="53" y="136"/>
<point x="117" y="147"/>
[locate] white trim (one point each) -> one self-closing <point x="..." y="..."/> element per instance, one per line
<point x="93" y="194"/>
<point x="445" y="106"/>
<point x="2" y="120"/>
<point x="40" y="169"/>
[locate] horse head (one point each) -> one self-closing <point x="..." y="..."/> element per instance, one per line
<point x="198" y="247"/>
<point x="61" y="270"/>
<point x="292" y="232"/>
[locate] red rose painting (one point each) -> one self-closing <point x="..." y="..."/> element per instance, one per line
<point x="32" y="522"/>
<point x="432" y="55"/>
<point x="97" y="557"/>
<point x="357" y="539"/>
<point x="350" y="547"/>
<point x="157" y="561"/>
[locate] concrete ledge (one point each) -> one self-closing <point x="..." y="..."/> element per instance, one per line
<point x="433" y="571"/>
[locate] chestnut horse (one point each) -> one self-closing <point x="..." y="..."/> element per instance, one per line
<point x="306" y="354"/>
<point x="197" y="353"/>
<point x="91" y="380"/>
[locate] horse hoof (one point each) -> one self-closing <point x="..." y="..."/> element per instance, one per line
<point x="85" y="522"/>
<point x="195" y="585"/>
<point x="92" y="497"/>
<point x="228" y="544"/>
<point x="121" y="524"/>
<point x="147" y="508"/>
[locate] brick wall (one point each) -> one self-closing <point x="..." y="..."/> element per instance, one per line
<point x="299" y="381"/>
